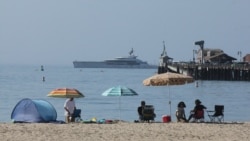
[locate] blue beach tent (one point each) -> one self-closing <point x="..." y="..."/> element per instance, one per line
<point x="34" y="111"/>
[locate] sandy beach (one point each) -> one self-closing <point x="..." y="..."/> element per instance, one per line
<point x="125" y="131"/>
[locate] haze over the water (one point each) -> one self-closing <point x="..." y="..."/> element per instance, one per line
<point x="61" y="31"/>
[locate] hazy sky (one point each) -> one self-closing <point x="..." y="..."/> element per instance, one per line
<point x="61" y="31"/>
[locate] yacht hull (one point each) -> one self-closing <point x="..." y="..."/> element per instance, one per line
<point x="84" y="64"/>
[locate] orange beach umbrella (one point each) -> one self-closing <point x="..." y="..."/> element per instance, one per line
<point x="65" y="93"/>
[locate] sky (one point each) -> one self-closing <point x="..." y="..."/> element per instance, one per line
<point x="58" y="32"/>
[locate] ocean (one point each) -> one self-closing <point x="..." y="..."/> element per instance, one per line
<point x="26" y="81"/>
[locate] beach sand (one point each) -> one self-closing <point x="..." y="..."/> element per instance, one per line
<point x="125" y="131"/>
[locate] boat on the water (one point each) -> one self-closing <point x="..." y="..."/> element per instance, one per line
<point x="130" y="61"/>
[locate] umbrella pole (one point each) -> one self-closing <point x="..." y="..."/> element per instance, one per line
<point x="119" y="108"/>
<point x="169" y="101"/>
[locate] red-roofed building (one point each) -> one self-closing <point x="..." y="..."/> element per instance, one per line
<point x="246" y="58"/>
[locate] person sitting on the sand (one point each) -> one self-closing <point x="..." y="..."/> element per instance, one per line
<point x="180" y="112"/>
<point x="140" y="110"/>
<point x="198" y="111"/>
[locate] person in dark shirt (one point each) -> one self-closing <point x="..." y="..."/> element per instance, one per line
<point x="140" y="109"/>
<point x="195" y="113"/>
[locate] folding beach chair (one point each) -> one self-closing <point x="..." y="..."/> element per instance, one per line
<point x="77" y="115"/>
<point x="199" y="116"/>
<point x="218" y="114"/>
<point x="148" y="113"/>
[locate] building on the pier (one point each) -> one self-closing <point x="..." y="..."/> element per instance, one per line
<point x="246" y="58"/>
<point x="164" y="60"/>
<point x="214" y="56"/>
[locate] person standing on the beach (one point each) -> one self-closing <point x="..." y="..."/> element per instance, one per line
<point x="180" y="113"/>
<point x="69" y="107"/>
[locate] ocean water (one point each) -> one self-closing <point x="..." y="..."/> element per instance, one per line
<point x="22" y="81"/>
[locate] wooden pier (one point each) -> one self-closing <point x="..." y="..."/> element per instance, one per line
<point x="225" y="72"/>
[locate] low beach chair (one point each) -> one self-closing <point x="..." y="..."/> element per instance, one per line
<point x="218" y="114"/>
<point x="77" y="115"/>
<point x="198" y="116"/>
<point x="148" y="113"/>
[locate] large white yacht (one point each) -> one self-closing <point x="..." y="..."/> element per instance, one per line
<point x="130" y="61"/>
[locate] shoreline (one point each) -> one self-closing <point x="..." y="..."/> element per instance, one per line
<point x="125" y="131"/>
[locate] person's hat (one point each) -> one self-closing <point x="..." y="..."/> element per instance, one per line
<point x="197" y="101"/>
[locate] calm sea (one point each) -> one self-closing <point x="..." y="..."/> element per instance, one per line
<point x="18" y="82"/>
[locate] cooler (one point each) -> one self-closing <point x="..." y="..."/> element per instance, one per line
<point x="166" y="118"/>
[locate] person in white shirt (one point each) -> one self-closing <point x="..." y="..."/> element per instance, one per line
<point x="69" y="107"/>
<point x="180" y="113"/>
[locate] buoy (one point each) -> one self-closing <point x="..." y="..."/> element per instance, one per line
<point x="196" y="84"/>
<point x="42" y="69"/>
